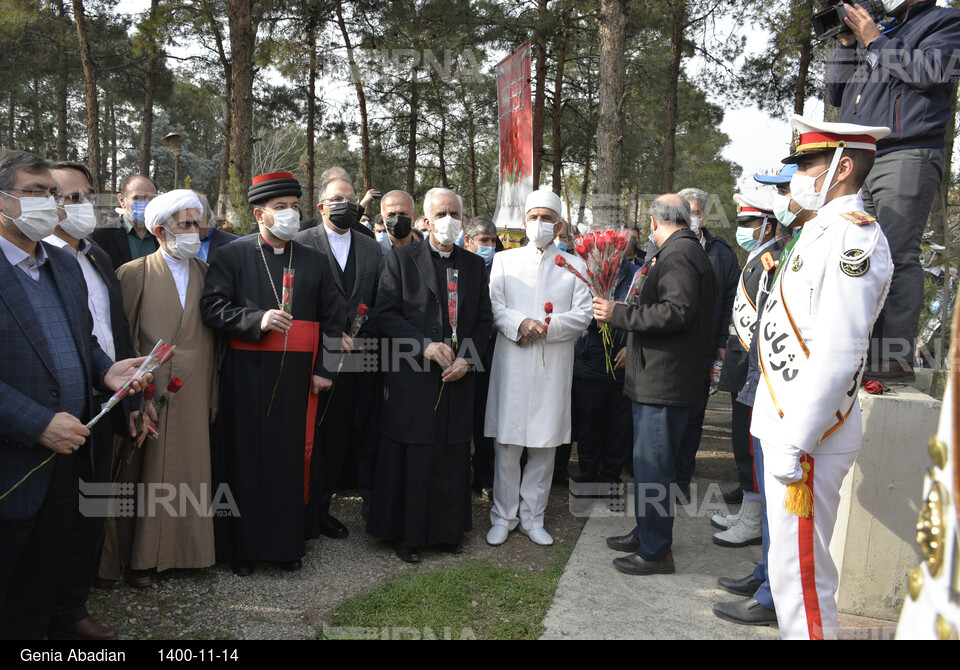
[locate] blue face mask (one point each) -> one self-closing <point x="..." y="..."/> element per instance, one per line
<point x="746" y="240"/>
<point x="381" y="236"/>
<point x="486" y="253"/>
<point x="137" y="210"/>
<point x="562" y="247"/>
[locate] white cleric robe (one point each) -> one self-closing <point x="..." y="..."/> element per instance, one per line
<point x="528" y="402"/>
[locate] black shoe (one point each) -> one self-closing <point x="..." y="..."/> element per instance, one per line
<point x="451" y="548"/>
<point x="734" y="497"/>
<point x="747" y="612"/>
<point x="740" y="587"/>
<point x="243" y="568"/>
<point x="290" y="566"/>
<point x="627" y="543"/>
<point x="634" y="565"/>
<point x="330" y="527"/>
<point x="408" y="554"/>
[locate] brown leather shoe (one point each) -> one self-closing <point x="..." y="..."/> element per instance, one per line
<point x="138" y="579"/>
<point x="634" y="565"/>
<point x="85" y="629"/>
<point x="890" y="371"/>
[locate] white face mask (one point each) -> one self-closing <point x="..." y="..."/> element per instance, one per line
<point x="446" y="230"/>
<point x="81" y="220"/>
<point x="695" y="223"/>
<point x="803" y="190"/>
<point x="184" y="246"/>
<point x="781" y="209"/>
<point x="540" y="233"/>
<point x="38" y="217"/>
<point x="286" y="224"/>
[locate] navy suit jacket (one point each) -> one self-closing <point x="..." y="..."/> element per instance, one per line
<point x="30" y="394"/>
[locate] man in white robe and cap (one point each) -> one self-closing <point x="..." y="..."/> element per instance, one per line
<point x="532" y="375"/>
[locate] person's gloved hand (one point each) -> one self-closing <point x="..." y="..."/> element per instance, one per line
<point x="783" y="462"/>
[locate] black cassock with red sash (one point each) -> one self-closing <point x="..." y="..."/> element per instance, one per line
<point x="264" y="433"/>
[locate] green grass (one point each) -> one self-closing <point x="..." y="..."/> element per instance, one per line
<point x="472" y="600"/>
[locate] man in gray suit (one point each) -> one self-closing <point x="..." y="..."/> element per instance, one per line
<point x="356" y="262"/>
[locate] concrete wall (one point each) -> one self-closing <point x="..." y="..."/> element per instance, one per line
<point x="874" y="542"/>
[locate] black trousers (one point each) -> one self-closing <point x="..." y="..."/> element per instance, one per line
<point x="604" y="429"/>
<point x="743" y="445"/>
<point x="31" y="556"/>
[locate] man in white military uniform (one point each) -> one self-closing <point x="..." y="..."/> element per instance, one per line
<point x="932" y="612"/>
<point x="528" y="404"/>
<point x="828" y="290"/>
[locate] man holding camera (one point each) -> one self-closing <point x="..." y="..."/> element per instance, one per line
<point x="899" y="74"/>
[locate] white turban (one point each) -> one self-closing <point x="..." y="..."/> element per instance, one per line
<point x="543" y="197"/>
<point x="165" y="206"/>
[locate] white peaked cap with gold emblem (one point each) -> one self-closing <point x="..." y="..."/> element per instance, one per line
<point x="813" y="137"/>
<point x="543" y="197"/>
<point x="754" y="204"/>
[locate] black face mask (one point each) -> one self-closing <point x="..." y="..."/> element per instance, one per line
<point x="343" y="214"/>
<point x="399" y="226"/>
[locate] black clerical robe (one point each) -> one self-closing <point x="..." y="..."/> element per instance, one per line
<point x="263" y="458"/>
<point x="421" y="491"/>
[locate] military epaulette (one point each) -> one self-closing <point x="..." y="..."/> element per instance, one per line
<point x="768" y="262"/>
<point x="858" y="218"/>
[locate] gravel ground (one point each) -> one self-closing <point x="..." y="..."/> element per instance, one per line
<point x="272" y="604"/>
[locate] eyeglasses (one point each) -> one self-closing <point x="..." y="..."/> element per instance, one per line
<point x="183" y="225"/>
<point x="73" y="198"/>
<point x="40" y="193"/>
<point x="353" y="200"/>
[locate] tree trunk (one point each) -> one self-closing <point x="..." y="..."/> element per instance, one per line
<point x="93" y="104"/>
<point x="673" y="87"/>
<point x="113" y="145"/>
<point x="37" y="130"/>
<point x="312" y="112"/>
<point x="412" y="142"/>
<point x="12" y="120"/>
<point x="442" y="150"/>
<point x="227" y="78"/>
<point x="471" y="152"/>
<point x="242" y="36"/>
<point x="539" y="98"/>
<point x="146" y="137"/>
<point x="557" y="147"/>
<point x="612" y="36"/>
<point x="583" y="188"/>
<point x="806" y="56"/>
<point x="361" y="98"/>
<point x="62" y="82"/>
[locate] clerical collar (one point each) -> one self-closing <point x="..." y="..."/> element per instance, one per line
<point x="443" y="254"/>
<point x="276" y="250"/>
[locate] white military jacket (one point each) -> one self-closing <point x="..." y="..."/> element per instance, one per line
<point x="528" y="402"/>
<point x="815" y="330"/>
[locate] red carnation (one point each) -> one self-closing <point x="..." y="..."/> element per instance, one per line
<point x="582" y="250"/>
<point x="621" y="244"/>
<point x="361" y="309"/>
<point x="287" y="281"/>
<point x="175" y="385"/>
<point x="601" y="244"/>
<point x="560" y="261"/>
<point x="168" y="353"/>
<point x="873" y="387"/>
<point x="644" y="270"/>
<point x="152" y="430"/>
<point x="588" y="242"/>
<point x="149" y="392"/>
<point x="548" y="308"/>
<point x="548" y="320"/>
<point x="452" y="286"/>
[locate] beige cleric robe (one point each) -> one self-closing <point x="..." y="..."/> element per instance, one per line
<point x="172" y="535"/>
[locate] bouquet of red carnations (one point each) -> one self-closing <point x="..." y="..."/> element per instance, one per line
<point x="633" y="296"/>
<point x="603" y="253"/>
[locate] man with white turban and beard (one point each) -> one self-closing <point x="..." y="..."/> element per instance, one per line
<point x="161" y="298"/>
<point x="528" y="404"/>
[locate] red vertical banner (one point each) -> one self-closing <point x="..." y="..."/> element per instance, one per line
<point x="515" y="114"/>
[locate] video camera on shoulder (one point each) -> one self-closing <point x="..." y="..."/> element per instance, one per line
<point x="829" y="22"/>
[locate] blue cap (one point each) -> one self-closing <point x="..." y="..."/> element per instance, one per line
<point x="775" y="180"/>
